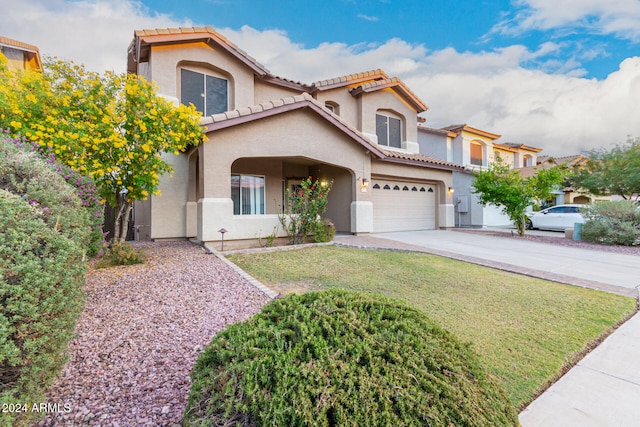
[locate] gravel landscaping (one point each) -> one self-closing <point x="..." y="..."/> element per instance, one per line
<point x="144" y="326"/>
<point x="140" y="334"/>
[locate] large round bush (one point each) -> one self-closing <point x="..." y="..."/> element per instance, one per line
<point x="339" y="358"/>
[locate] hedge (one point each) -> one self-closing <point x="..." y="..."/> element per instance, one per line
<point x="43" y="234"/>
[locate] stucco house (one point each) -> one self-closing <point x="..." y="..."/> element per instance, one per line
<point x="474" y="149"/>
<point x="567" y="194"/>
<point x="20" y="55"/>
<point x="266" y="133"/>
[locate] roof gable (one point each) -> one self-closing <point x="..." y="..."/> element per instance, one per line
<point x="143" y="40"/>
<point x="398" y="86"/>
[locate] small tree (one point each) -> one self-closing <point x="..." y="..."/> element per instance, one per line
<point x="506" y="188"/>
<point x="612" y="172"/>
<point x="304" y="207"/>
<point x="113" y="128"/>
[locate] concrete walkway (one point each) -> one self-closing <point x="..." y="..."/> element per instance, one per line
<point x="603" y="389"/>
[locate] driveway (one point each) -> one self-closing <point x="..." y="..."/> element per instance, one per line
<point x="595" y="269"/>
<point x="603" y="389"/>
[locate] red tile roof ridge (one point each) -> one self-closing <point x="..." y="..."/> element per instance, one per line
<point x="351" y="78"/>
<point x="16" y="43"/>
<point x="419" y="158"/>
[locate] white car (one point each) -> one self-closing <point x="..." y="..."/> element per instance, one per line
<point x="557" y="217"/>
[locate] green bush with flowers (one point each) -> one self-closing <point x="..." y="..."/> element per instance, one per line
<point x="302" y="216"/>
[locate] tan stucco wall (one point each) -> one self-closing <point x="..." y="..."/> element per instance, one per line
<point x="371" y="102"/>
<point x="265" y="92"/>
<point x="166" y="60"/>
<point x="348" y="105"/>
<point x="169" y="211"/>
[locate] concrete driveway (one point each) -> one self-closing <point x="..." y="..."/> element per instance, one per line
<point x="603" y="389"/>
<point x="582" y="267"/>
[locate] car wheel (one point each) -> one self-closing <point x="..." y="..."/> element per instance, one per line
<point x="529" y="224"/>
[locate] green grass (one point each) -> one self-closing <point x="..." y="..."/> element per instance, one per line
<point x="524" y="329"/>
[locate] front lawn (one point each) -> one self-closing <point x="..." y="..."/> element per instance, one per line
<point x="524" y="329"/>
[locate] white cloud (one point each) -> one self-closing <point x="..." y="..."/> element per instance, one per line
<point x="619" y="17"/>
<point x="491" y="90"/>
<point x="93" y="32"/>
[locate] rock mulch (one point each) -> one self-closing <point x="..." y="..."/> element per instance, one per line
<point x="141" y="331"/>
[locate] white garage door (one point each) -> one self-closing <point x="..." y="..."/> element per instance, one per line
<point x="403" y="206"/>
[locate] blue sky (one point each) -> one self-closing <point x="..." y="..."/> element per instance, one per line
<point x="581" y="45"/>
<point x="562" y="75"/>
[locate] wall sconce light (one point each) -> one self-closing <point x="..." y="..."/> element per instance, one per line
<point x="451" y="190"/>
<point x="364" y="183"/>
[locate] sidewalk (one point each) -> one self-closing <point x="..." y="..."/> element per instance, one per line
<point x="603" y="389"/>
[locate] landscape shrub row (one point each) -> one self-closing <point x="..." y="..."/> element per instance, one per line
<point x="44" y="234"/>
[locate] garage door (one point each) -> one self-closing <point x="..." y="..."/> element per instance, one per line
<point x="403" y="206"/>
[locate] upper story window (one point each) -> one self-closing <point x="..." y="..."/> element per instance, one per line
<point x="208" y="93"/>
<point x="333" y="107"/>
<point x="389" y="131"/>
<point x="527" y="160"/>
<point x="475" y="153"/>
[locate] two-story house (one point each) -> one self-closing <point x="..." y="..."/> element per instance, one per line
<point x="474" y="149"/>
<point x="266" y="133"/>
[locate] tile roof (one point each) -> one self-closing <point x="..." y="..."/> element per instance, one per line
<point x="420" y="158"/>
<point x="465" y="127"/>
<point x="442" y="132"/>
<point x="266" y="109"/>
<point x="522" y="146"/>
<point x="350" y="79"/>
<point x="395" y="83"/>
<point x="138" y="49"/>
<point x="6" y="41"/>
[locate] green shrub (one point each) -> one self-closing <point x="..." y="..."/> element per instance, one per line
<point x="613" y="223"/>
<point x="41" y="298"/>
<point x="120" y="254"/>
<point x="339" y="358"/>
<point x="83" y="186"/>
<point x="24" y="173"/>
<point x="323" y="231"/>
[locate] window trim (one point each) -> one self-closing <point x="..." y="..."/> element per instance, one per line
<point x="471" y="158"/>
<point x="262" y="205"/>
<point x="388" y="127"/>
<point x="204" y="75"/>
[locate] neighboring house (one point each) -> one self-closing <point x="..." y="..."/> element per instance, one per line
<point x="266" y="133"/>
<point x="568" y="194"/>
<point x="474" y="149"/>
<point x="20" y="56"/>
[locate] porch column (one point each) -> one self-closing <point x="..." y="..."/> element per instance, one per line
<point x="361" y="217"/>
<point x="214" y="207"/>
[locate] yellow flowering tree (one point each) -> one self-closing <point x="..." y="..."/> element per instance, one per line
<point x="112" y="127"/>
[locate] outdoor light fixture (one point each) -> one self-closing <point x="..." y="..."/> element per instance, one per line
<point x="450" y="190"/>
<point x="364" y="183"/>
<point x="222" y="231"/>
